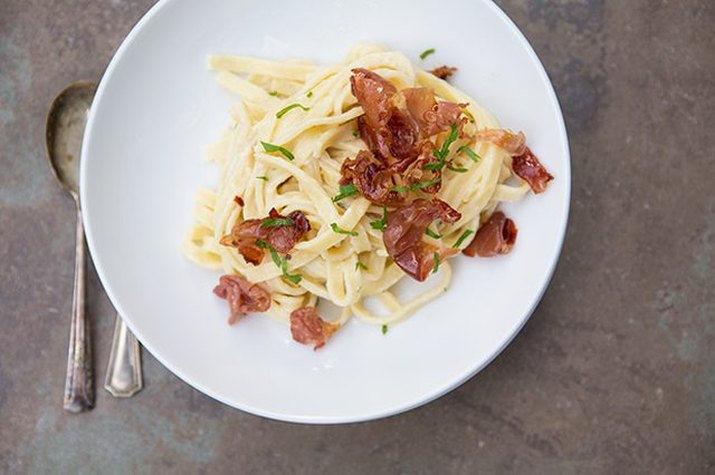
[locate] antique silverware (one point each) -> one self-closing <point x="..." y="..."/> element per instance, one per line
<point x="65" y="125"/>
<point x="63" y="137"/>
<point x="124" y="370"/>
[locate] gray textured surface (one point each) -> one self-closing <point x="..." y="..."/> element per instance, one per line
<point x="615" y="372"/>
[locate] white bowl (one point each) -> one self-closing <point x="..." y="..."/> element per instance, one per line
<point x="158" y="106"/>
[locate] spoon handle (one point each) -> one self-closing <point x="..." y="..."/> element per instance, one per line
<point x="124" y="371"/>
<point x="79" y="384"/>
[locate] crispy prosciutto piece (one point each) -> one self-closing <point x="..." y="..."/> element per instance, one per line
<point x="308" y="328"/>
<point x="243" y="237"/>
<point x="528" y="167"/>
<point x="377" y="140"/>
<point x="444" y="72"/>
<point x="496" y="236"/>
<point x="416" y="172"/>
<point x="403" y="236"/>
<point x="397" y="123"/>
<point x="513" y="144"/>
<point x="242" y="296"/>
<point x="431" y="116"/>
<point x="371" y="177"/>
<point x="283" y="238"/>
<point x="396" y="127"/>
<point x="524" y="163"/>
<point x="403" y="134"/>
<point x="281" y="232"/>
<point x="373" y="92"/>
<point x="394" y="146"/>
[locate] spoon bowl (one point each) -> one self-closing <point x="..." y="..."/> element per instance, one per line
<point x="64" y="129"/>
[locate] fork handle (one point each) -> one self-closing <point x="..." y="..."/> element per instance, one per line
<point x="124" y="370"/>
<point x="79" y="382"/>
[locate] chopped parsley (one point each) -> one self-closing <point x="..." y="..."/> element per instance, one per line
<point x="293" y="278"/>
<point x="380" y="224"/>
<point x="264" y="178"/>
<point x="270" y="148"/>
<point x="339" y="230"/>
<point x="444" y="151"/>
<point x="273" y="93"/>
<point x="433" y="166"/>
<point x="277" y="260"/>
<point x="469" y="152"/>
<point x="310" y="94"/>
<point x="426" y="53"/>
<point x="432" y="234"/>
<point x="280" y="262"/>
<point x="384" y="329"/>
<point x="436" y="263"/>
<point x="360" y="265"/>
<point x="276" y="222"/>
<point x="456" y="169"/>
<point x="289" y="107"/>
<point x="356" y="134"/>
<point x="345" y="191"/>
<point x="461" y="239"/>
<point x="441" y="154"/>
<point x="417" y="186"/>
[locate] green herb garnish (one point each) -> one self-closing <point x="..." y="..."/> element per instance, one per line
<point x="270" y="148"/>
<point x="461" y="239"/>
<point x="432" y="234"/>
<point x="380" y="224"/>
<point x="469" y="152"/>
<point x="289" y="107"/>
<point x="345" y="191"/>
<point x="294" y="278"/>
<point x="277" y="260"/>
<point x="441" y="154"/>
<point x="264" y="178"/>
<point x="426" y="53"/>
<point x="384" y="329"/>
<point x="444" y="151"/>
<point x="433" y="166"/>
<point x="356" y="134"/>
<point x="339" y="230"/>
<point x="436" y="263"/>
<point x="276" y="222"/>
<point x="310" y="94"/>
<point x="456" y="169"/>
<point x="417" y="186"/>
<point x="273" y="93"/>
<point x="280" y="262"/>
<point x="425" y="184"/>
<point x="360" y="265"/>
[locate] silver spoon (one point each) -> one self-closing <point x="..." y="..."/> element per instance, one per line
<point x="65" y="125"/>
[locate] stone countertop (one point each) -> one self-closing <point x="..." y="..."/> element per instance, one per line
<point x="614" y="372"/>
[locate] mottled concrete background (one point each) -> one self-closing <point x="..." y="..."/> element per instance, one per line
<point x="614" y="373"/>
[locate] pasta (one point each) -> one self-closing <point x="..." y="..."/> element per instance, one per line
<point x="293" y="126"/>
